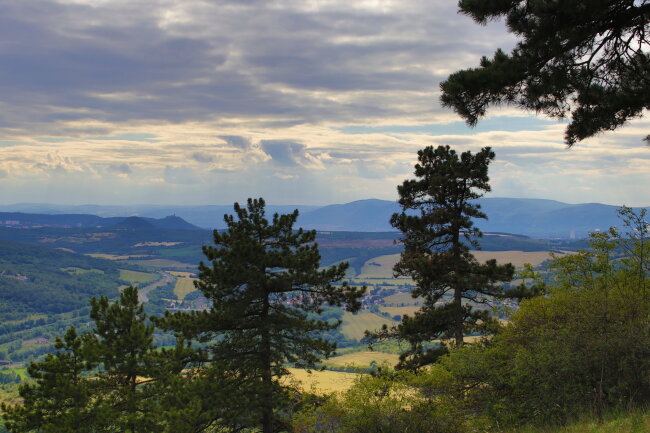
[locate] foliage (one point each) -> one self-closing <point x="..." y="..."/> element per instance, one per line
<point x="33" y="280"/>
<point x="263" y="281"/>
<point x="583" y="348"/>
<point x="98" y="381"/>
<point x="589" y="59"/>
<point x="387" y="402"/>
<point x="437" y="211"/>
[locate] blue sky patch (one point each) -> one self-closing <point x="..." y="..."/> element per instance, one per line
<point x="510" y="124"/>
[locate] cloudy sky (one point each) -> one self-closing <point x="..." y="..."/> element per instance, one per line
<point x="300" y="102"/>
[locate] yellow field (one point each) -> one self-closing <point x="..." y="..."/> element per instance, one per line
<point x="157" y="244"/>
<point x="166" y="263"/>
<point x="410" y="310"/>
<point x="322" y="382"/>
<point x="181" y="274"/>
<point x="379" y="267"/>
<point x="355" y="325"/>
<point x="117" y="257"/>
<point x="398" y="299"/>
<point x="136" y="277"/>
<point x="183" y="287"/>
<point x="363" y="359"/>
<point x="517" y="258"/>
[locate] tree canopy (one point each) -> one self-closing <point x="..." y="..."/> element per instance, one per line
<point x="587" y="59"/>
<point x="98" y="381"/>
<point x="436" y="221"/>
<point x="265" y="283"/>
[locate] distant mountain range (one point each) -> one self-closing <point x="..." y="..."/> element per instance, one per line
<point x="32" y="220"/>
<point x="529" y="217"/>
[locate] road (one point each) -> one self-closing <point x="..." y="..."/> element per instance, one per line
<point x="143" y="291"/>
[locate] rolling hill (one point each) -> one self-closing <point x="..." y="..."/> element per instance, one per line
<point x="35" y="220"/>
<point x="529" y="217"/>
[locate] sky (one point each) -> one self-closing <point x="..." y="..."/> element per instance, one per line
<point x="301" y="102"/>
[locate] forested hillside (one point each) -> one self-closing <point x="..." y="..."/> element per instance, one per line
<point x="50" y="281"/>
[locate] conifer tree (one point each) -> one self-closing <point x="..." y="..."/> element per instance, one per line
<point x="264" y="282"/>
<point x="436" y="222"/>
<point x="121" y="345"/>
<point x="587" y="59"/>
<point x="99" y="381"/>
<point x="59" y="399"/>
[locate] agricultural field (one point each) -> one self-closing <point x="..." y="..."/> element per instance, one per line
<point x="182" y="274"/>
<point x="355" y="325"/>
<point x="402" y="299"/>
<point x="156" y="244"/>
<point x="322" y="382"/>
<point x="400" y="311"/>
<point x="362" y="359"/>
<point x="118" y="256"/>
<point x="183" y="287"/>
<point x="379" y="267"/>
<point x="517" y="258"/>
<point x="164" y="264"/>
<point x="137" y="277"/>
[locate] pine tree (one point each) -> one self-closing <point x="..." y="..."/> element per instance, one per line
<point x="436" y="222"/>
<point x="99" y="381"/>
<point x="265" y="283"/>
<point x="589" y="59"/>
<point x="59" y="399"/>
<point x="121" y="345"/>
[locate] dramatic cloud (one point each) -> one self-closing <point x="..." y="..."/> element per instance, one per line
<point x="188" y="101"/>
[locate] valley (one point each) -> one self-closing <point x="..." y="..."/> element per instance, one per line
<point x="50" y="272"/>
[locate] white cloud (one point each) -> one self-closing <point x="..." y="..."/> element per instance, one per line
<point x="193" y="101"/>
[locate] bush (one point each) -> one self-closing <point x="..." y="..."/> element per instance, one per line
<point x="583" y="348"/>
<point x="387" y="403"/>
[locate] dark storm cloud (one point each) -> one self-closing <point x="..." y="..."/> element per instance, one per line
<point x="178" y="61"/>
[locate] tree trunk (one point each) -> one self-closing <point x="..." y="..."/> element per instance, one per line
<point x="458" y="332"/>
<point x="458" y="291"/>
<point x="267" y="375"/>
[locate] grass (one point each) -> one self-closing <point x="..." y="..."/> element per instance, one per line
<point x="80" y="271"/>
<point x="355" y="325"/>
<point x="136" y="277"/>
<point x="184" y="286"/>
<point x="630" y="422"/>
<point x="322" y="382"/>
